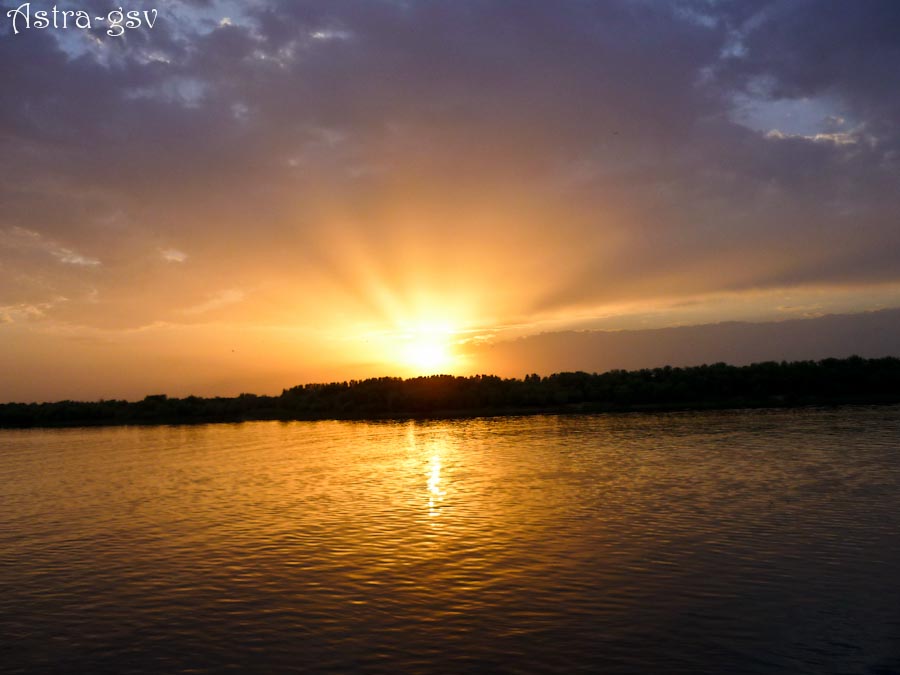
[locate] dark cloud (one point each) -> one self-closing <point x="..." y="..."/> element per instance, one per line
<point x="871" y="335"/>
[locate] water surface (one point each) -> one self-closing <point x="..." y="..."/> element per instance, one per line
<point x="727" y="542"/>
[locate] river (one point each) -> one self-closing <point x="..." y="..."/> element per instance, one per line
<point x="717" y="542"/>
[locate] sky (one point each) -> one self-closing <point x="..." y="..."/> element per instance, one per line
<point x="251" y="195"/>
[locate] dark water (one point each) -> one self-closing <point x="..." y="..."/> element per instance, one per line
<point x="737" y="542"/>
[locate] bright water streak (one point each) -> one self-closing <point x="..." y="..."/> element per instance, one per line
<point x="736" y="542"/>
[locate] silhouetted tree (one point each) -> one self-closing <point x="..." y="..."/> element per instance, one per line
<point x="831" y="381"/>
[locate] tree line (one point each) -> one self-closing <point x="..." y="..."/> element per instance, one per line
<point x="770" y="384"/>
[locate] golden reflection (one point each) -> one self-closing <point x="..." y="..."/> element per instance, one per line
<point x="435" y="494"/>
<point x="434" y="452"/>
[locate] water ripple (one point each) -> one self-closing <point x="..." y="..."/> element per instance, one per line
<point x="730" y="542"/>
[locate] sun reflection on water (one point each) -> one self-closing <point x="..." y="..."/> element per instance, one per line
<point x="435" y="493"/>
<point x="430" y="446"/>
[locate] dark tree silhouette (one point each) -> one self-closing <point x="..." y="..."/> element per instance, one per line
<point x="770" y="384"/>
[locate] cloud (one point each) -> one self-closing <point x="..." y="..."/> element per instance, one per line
<point x="217" y="301"/>
<point x="173" y="255"/>
<point x="558" y="159"/>
<point x="70" y="257"/>
<point x="331" y="34"/>
<point x="871" y="334"/>
<point x="18" y="238"/>
<point x="26" y="311"/>
<point x="836" y="138"/>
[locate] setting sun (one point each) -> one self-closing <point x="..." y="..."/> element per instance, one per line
<point x="427" y="350"/>
<point x="428" y="355"/>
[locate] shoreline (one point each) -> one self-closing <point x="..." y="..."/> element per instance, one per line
<point x="831" y="382"/>
<point x="449" y="415"/>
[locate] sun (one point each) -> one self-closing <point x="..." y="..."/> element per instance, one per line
<point x="427" y="349"/>
<point x="415" y="348"/>
<point x="428" y="354"/>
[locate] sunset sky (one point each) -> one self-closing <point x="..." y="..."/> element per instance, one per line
<point x="252" y="195"/>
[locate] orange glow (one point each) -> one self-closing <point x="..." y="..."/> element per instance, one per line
<point x="425" y="349"/>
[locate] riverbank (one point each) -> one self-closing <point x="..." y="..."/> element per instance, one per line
<point x="709" y="387"/>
